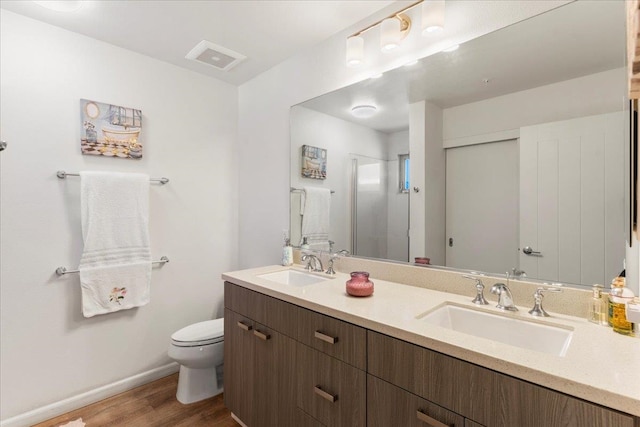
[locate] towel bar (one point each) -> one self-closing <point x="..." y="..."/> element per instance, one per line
<point x="299" y="190"/>
<point x="61" y="271"/>
<point x="63" y="175"/>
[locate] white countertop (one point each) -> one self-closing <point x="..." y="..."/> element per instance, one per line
<point x="600" y="365"/>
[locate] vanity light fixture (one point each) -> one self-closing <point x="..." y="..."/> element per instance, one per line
<point x="363" y="111"/>
<point x="394" y="28"/>
<point x="391" y="32"/>
<point x="355" y="51"/>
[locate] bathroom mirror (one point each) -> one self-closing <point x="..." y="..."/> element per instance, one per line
<point x="507" y="154"/>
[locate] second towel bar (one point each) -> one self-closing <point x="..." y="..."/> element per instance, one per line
<point x="61" y="271"/>
<point x="63" y="175"/>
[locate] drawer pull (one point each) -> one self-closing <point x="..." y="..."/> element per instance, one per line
<point x="430" y="421"/>
<point x="326" y="338"/>
<point x="320" y="392"/>
<point x="261" y="335"/>
<point x="244" y="326"/>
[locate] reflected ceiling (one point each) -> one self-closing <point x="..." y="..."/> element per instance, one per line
<point x="548" y="48"/>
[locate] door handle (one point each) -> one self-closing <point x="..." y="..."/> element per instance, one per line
<point x="325" y="337"/>
<point x="430" y="421"/>
<point x="528" y="251"/>
<point x="244" y="326"/>
<point x="263" y="336"/>
<point x="327" y="396"/>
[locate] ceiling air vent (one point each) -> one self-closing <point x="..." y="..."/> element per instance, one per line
<point x="215" y="56"/>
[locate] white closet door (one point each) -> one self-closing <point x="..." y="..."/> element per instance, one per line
<point x="482" y="207"/>
<point x="572" y="199"/>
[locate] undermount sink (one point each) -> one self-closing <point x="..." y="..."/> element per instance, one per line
<point x="294" y="278"/>
<point x="540" y="337"/>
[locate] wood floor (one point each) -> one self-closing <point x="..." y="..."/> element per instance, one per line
<point x="151" y="405"/>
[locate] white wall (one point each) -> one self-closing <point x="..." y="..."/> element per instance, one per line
<point x="264" y="104"/>
<point x="340" y="138"/>
<point x="584" y="96"/>
<point x="49" y="351"/>
<point x="434" y="185"/>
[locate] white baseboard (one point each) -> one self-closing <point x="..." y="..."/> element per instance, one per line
<point x="72" y="403"/>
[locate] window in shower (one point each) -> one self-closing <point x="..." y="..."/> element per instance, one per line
<point x="403" y="168"/>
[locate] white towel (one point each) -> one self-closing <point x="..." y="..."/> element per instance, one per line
<point x="315" y="206"/>
<point x="115" y="269"/>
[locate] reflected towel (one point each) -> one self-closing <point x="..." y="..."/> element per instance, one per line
<point x="115" y="269"/>
<point x="315" y="205"/>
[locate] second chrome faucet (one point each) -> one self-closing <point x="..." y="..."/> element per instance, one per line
<point x="505" y="300"/>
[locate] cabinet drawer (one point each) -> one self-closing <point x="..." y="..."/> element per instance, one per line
<point x="480" y="394"/>
<point x="273" y="313"/>
<point x="331" y="391"/>
<point x="388" y="405"/>
<point x="236" y="298"/>
<point x="334" y="337"/>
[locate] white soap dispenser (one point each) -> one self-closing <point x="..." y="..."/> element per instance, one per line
<point x="287" y="252"/>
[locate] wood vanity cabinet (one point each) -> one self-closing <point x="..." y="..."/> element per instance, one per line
<point x="259" y="382"/>
<point x="289" y="366"/>
<point x="480" y="394"/>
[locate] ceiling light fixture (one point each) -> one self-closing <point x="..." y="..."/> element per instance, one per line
<point x="355" y="51"/>
<point x="363" y="111"/>
<point x="391" y="32"/>
<point x="432" y="16"/>
<point x="394" y="28"/>
<point x="61" y="6"/>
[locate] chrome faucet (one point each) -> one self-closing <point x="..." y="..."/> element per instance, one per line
<point x="505" y="300"/>
<point x="479" y="299"/>
<point x="313" y="263"/>
<point x="537" y="309"/>
<point x="335" y="256"/>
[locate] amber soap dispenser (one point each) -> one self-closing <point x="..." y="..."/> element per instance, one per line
<point x="597" y="307"/>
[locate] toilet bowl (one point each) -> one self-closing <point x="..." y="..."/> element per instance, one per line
<point x="199" y="349"/>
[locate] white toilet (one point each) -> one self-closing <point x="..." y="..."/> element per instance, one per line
<point x="199" y="349"/>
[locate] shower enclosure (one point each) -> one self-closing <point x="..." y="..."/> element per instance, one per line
<point x="379" y="208"/>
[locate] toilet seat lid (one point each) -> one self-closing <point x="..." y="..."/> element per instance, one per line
<point x="200" y="331"/>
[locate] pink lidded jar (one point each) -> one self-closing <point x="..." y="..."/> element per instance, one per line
<point x="359" y="285"/>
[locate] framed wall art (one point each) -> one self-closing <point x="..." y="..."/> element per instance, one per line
<point x="110" y="130"/>
<point x="314" y="162"/>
